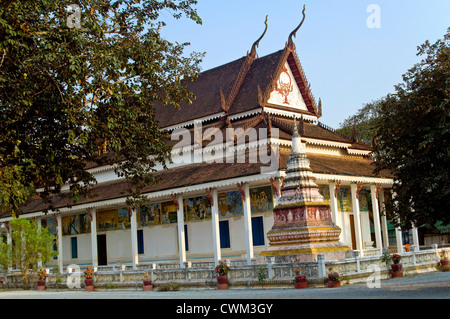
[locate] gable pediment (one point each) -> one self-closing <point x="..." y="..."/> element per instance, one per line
<point x="286" y="91"/>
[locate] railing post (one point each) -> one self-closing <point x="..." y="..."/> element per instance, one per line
<point x="321" y="266"/>
<point x="436" y="251"/>
<point x="270" y="272"/>
<point x="413" y="250"/>
<point x="187" y="266"/>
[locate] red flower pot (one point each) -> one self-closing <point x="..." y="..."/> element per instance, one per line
<point x="89" y="284"/>
<point x="222" y="282"/>
<point x="147" y="282"/>
<point x="40" y="285"/>
<point x="396" y="270"/>
<point x="300" y="282"/>
<point x="332" y="276"/>
<point x="396" y="267"/>
<point x="147" y="285"/>
<point x="443" y="262"/>
<point x="333" y="280"/>
<point x="334" y="283"/>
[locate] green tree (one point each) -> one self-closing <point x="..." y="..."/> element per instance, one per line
<point x="413" y="139"/>
<point x="75" y="81"/>
<point x="13" y="193"/>
<point x="29" y="245"/>
<point x="363" y="122"/>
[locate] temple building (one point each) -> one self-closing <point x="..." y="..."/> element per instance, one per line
<point x="230" y="152"/>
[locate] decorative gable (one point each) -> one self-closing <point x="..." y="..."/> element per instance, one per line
<point x="286" y="91"/>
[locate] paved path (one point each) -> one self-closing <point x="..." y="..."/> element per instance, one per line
<point x="425" y="286"/>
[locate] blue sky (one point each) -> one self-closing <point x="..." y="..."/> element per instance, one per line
<point x="347" y="63"/>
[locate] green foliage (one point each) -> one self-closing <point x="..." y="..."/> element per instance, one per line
<point x="13" y="191"/>
<point x="29" y="246"/>
<point x="386" y="258"/>
<point x="65" y="91"/>
<point x="261" y="274"/>
<point x="412" y="139"/>
<point x="364" y="123"/>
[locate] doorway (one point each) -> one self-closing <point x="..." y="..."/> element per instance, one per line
<point x="258" y="231"/>
<point x="101" y="250"/>
<point x="352" y="231"/>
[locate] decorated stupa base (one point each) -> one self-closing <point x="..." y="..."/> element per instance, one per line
<point x="303" y="227"/>
<point x="301" y="232"/>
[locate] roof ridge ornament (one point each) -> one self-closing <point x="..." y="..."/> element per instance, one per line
<point x="256" y="44"/>
<point x="290" y="44"/>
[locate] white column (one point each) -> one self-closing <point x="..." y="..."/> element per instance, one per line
<point x="399" y="239"/>
<point x="415" y="235"/>
<point x="8" y="241"/>
<point x="59" y="243"/>
<point x="376" y="217"/>
<point x="215" y="226"/>
<point x="357" y="219"/>
<point x="248" y="223"/>
<point x="94" y="252"/>
<point x="180" y="222"/>
<point x="333" y="203"/>
<point x="384" y="225"/>
<point x="335" y="212"/>
<point x="134" y="249"/>
<point x="39" y="225"/>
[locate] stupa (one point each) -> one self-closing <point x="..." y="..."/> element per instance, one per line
<point x="303" y="227"/>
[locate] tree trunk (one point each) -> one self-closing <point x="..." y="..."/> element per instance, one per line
<point x="25" y="280"/>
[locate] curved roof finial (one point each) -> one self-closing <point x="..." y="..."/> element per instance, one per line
<point x="256" y="44"/>
<point x="290" y="43"/>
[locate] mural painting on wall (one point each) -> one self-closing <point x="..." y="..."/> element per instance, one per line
<point x="325" y="192"/>
<point x="149" y="215"/>
<point x="70" y="225"/>
<point x="50" y="224"/>
<point x="261" y="199"/>
<point x="230" y="204"/>
<point x="363" y="200"/>
<point x="197" y="208"/>
<point x="85" y="224"/>
<point x="168" y="213"/>
<point x="107" y="220"/>
<point x="124" y="221"/>
<point x="76" y="224"/>
<point x="344" y="199"/>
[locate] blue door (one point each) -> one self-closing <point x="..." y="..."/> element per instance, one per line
<point x="186" y="242"/>
<point x="224" y="230"/>
<point x="140" y="241"/>
<point x="258" y="231"/>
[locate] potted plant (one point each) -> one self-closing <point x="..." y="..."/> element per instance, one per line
<point x="443" y="262"/>
<point x="396" y="267"/>
<point x="42" y="274"/>
<point x="300" y="280"/>
<point x="147" y="283"/>
<point x="89" y="279"/>
<point x="333" y="278"/>
<point x="222" y="280"/>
